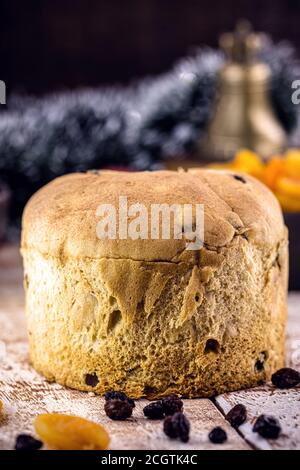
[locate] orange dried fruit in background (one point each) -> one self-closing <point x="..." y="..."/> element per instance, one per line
<point x="248" y="162"/>
<point x="292" y="163"/>
<point x="64" y="432"/>
<point x="245" y="161"/>
<point x="289" y="187"/>
<point x="281" y="174"/>
<point x="1" y="406"/>
<point x="288" y="204"/>
<point x="273" y="170"/>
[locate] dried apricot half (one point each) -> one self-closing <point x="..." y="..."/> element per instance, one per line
<point x="289" y="187"/>
<point x="64" y="432"/>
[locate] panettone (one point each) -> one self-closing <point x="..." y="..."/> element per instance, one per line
<point x="148" y="316"/>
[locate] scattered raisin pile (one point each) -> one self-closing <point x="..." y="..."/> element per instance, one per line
<point x="27" y="442"/>
<point x="286" y="378"/>
<point x="217" y="435"/>
<point x="237" y="415"/>
<point x="267" y="427"/>
<point x="118" y="405"/>
<point x="165" y="407"/>
<point x="177" y="426"/>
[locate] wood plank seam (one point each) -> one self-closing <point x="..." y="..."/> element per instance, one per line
<point x="221" y="410"/>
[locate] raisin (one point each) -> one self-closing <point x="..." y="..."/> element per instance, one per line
<point x="260" y="363"/>
<point x="165" y="407"/>
<point x="177" y="425"/>
<point x="237" y="415"/>
<point x="120" y="396"/>
<point x="27" y="442"/>
<point x="212" y="345"/>
<point x="64" y="432"/>
<point x="267" y="426"/>
<point x="91" y="380"/>
<point x="217" y="435"/>
<point x="240" y="178"/>
<point x="286" y="378"/>
<point x="154" y="410"/>
<point x="169" y="428"/>
<point x="118" y="409"/>
<point x="172" y="404"/>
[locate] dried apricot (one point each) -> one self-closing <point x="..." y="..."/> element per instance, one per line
<point x="281" y="174"/>
<point x="289" y="187"/>
<point x="288" y="203"/>
<point x="248" y="162"/>
<point x="292" y="163"/>
<point x="245" y="161"/>
<point x="273" y="170"/>
<point x="64" y="432"/>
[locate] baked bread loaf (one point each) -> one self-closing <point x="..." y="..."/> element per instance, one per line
<point x="150" y="317"/>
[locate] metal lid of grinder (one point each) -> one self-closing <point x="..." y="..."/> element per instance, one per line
<point x="243" y="114"/>
<point x="242" y="48"/>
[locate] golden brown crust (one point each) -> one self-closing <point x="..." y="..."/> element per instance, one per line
<point x="60" y="219"/>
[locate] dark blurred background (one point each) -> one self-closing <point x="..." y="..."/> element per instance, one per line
<point x="57" y="44"/>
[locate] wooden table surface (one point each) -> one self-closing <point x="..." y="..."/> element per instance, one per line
<point x="25" y="393"/>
